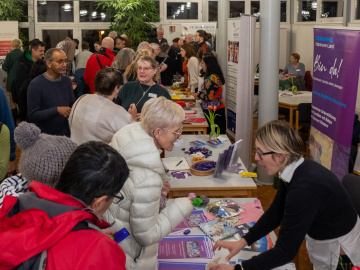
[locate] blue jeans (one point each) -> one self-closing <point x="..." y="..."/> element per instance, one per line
<point x="81" y="87"/>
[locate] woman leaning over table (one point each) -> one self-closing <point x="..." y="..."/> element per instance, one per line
<point x="310" y="203"/>
<point x="211" y="90"/>
<point x="145" y="88"/>
<point x="138" y="212"/>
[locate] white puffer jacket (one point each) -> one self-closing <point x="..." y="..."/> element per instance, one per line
<point x="139" y="211"/>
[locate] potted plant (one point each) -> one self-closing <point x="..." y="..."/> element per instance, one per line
<point x="214" y="128"/>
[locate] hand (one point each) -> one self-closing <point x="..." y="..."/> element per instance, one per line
<point x="164" y="67"/>
<point x="223" y="267"/>
<point x="108" y="232"/>
<point x="64" y="111"/>
<point x="133" y="111"/>
<point x="11" y="169"/>
<point x="165" y="188"/>
<point x="233" y="247"/>
<point x="138" y="117"/>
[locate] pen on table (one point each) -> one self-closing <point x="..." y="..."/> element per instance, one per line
<point x="178" y="163"/>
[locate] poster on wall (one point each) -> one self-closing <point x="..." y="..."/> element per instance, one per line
<point x="335" y="83"/>
<point x="240" y="82"/>
<point x="8" y="32"/>
<point x="191" y="28"/>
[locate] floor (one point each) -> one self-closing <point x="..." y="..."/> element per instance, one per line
<point x="266" y="195"/>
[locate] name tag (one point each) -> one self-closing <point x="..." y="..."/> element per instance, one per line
<point x="298" y="70"/>
<point x="152" y="95"/>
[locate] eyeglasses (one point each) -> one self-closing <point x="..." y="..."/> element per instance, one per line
<point x="118" y="199"/>
<point x="259" y="152"/>
<point x="178" y="134"/>
<point x="144" y="69"/>
<point x="62" y="61"/>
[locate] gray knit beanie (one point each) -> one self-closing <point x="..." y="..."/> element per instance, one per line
<point x="43" y="156"/>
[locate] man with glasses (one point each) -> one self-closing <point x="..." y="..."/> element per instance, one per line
<point x="51" y="96"/>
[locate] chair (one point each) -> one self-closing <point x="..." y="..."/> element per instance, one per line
<point x="303" y="116"/>
<point x="351" y="182"/>
<point x="308" y="81"/>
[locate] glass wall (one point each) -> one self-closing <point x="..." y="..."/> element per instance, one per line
<point x="332" y="9"/>
<point x="236" y="8"/>
<point x="255" y="9"/>
<point x="89" y="12"/>
<point x="52" y="37"/>
<point x="93" y="35"/>
<point x="307" y="11"/>
<point x="55" y="11"/>
<point x="182" y="10"/>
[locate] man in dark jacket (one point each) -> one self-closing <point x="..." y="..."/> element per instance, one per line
<point x="26" y="60"/>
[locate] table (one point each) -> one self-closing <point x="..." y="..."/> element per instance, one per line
<point x="232" y="186"/>
<point x="194" y="127"/>
<point x="290" y="101"/>
<point x="243" y="254"/>
<point x="180" y="96"/>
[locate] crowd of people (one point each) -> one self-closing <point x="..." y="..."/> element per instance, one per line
<point x="90" y="163"/>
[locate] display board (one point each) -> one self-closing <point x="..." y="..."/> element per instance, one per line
<point x="240" y="82"/>
<point x="9" y="31"/>
<point x="335" y="83"/>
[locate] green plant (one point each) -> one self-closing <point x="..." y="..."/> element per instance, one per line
<point x="211" y="119"/>
<point x="12" y="10"/>
<point x="133" y="18"/>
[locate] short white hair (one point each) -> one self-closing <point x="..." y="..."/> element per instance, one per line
<point x="161" y="113"/>
<point x="154" y="46"/>
<point x="159" y="29"/>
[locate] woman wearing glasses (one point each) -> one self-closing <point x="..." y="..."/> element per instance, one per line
<point x="139" y="143"/>
<point x="310" y="203"/>
<point x="144" y="88"/>
<point x="96" y="117"/>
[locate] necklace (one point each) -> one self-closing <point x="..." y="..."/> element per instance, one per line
<point x="144" y="92"/>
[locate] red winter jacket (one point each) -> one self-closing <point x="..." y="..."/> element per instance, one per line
<point x="26" y="232"/>
<point x="92" y="66"/>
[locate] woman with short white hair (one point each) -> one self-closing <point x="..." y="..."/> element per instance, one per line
<point x="139" y="143"/>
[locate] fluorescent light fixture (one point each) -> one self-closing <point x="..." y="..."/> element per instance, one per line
<point x="182" y="7"/>
<point x="67" y="7"/>
<point x="314" y="5"/>
<point x="93" y="14"/>
<point x="103" y="16"/>
<point x="83" y="12"/>
<point x="188" y="5"/>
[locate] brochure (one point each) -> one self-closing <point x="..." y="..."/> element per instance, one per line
<point x="164" y="265"/>
<point x="215" y="143"/>
<point x="197" y="143"/>
<point x="193" y="220"/>
<point x="261" y="245"/>
<point x="180" y="247"/>
<point x="217" y="229"/>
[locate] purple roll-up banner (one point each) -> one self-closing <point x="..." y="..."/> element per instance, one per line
<point x="335" y="83"/>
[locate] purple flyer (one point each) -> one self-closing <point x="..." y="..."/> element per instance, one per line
<point x="335" y="82"/>
<point x="193" y="220"/>
<point x="164" y="265"/>
<point x="185" y="247"/>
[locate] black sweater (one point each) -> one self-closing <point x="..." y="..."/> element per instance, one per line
<point x="313" y="203"/>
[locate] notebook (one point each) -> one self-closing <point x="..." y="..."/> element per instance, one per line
<point x="175" y="163"/>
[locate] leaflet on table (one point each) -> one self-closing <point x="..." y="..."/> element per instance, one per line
<point x="193" y="220"/>
<point x="185" y="247"/>
<point x="261" y="245"/>
<point x="288" y="266"/>
<point x="217" y="229"/>
<point x="164" y="265"/>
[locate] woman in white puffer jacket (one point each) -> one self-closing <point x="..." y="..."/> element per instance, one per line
<point x="138" y="212"/>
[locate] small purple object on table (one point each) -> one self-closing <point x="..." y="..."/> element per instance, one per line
<point x="205" y="166"/>
<point x="186" y="232"/>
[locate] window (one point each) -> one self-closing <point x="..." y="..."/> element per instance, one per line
<point x="25" y="8"/>
<point x="283" y="11"/>
<point x="236" y="8"/>
<point x="307" y="11"/>
<point x="52" y="37"/>
<point x="93" y="35"/>
<point x="89" y="12"/>
<point x="255" y="9"/>
<point x="332" y="9"/>
<point x="55" y="11"/>
<point x="182" y="11"/>
<point x="213" y="11"/>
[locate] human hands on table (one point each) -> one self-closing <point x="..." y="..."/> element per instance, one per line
<point x="233" y="246"/>
<point x="165" y="188"/>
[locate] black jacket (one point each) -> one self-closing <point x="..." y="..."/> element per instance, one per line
<point x="21" y="74"/>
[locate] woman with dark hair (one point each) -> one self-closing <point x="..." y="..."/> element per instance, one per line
<point x="96" y="117"/>
<point x="38" y="68"/>
<point x="201" y="38"/>
<point x="211" y="90"/>
<point x="64" y="223"/>
<point x="193" y="67"/>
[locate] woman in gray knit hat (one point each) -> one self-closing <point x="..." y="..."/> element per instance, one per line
<point x="43" y="158"/>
